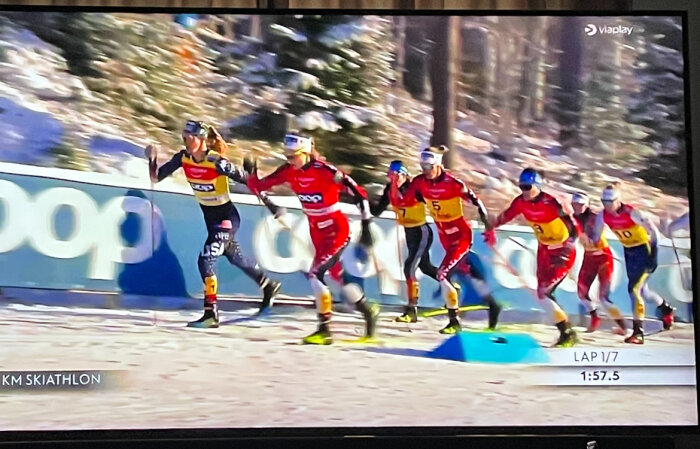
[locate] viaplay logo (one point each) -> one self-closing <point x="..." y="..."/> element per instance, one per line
<point x="592" y="30"/>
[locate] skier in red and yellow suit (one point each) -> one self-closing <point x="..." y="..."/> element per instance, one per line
<point x="411" y="215"/>
<point x="556" y="232"/>
<point x="638" y="235"/>
<point x="443" y="195"/>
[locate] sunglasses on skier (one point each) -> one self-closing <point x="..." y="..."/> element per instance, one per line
<point x="194" y="128"/>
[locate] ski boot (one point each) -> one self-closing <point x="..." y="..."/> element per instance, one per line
<point x="210" y="318"/>
<point x="270" y="290"/>
<point x="322" y="336"/>
<point x="594" y="324"/>
<point x="567" y="336"/>
<point x="494" y="312"/>
<point x="637" y="337"/>
<point x="409" y="315"/>
<point x="667" y="315"/>
<point x="453" y="326"/>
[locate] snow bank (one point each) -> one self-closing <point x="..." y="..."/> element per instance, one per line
<point x="27" y="135"/>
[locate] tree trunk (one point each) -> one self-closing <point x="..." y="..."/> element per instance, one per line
<point x="551" y="76"/>
<point x="538" y="88"/>
<point x="532" y="72"/>
<point x="509" y="47"/>
<point x="490" y="74"/>
<point x="570" y="68"/>
<point x="474" y="68"/>
<point x="400" y="47"/>
<point x="497" y="82"/>
<point x="527" y="75"/>
<point x="255" y="26"/>
<point x="414" y="74"/>
<point x="443" y="76"/>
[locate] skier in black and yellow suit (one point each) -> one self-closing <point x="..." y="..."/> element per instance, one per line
<point x="411" y="215"/>
<point x="208" y="173"/>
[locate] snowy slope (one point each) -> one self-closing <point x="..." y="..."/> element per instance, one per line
<point x="41" y="103"/>
<point x="27" y="134"/>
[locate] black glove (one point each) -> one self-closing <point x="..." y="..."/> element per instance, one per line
<point x="224" y="166"/>
<point x="276" y="210"/>
<point x="365" y="236"/>
<point x="151" y="152"/>
<point x="280" y="212"/>
<point x="250" y="165"/>
<point x="653" y="258"/>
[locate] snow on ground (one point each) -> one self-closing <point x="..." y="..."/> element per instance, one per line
<point x="27" y="135"/>
<point x="252" y="372"/>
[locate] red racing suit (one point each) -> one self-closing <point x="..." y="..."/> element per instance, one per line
<point x="318" y="186"/>
<point x="443" y="197"/>
<point x="597" y="259"/>
<point x="556" y="232"/>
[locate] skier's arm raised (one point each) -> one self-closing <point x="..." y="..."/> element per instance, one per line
<point x="159" y="173"/>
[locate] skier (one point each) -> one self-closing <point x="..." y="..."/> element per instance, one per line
<point x="556" y="232"/>
<point x="443" y="194"/>
<point x="410" y="214"/>
<point x="597" y="262"/>
<point x="638" y="236"/>
<point x="318" y="185"/>
<point x="208" y="173"/>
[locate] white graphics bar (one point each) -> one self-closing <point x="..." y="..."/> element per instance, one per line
<point x="615" y="376"/>
<point x="645" y="356"/>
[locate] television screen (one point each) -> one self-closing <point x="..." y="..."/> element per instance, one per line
<point x="303" y="221"/>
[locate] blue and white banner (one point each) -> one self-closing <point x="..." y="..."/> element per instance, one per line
<point x="62" y="229"/>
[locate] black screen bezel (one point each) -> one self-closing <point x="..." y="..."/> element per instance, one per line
<point x="273" y="433"/>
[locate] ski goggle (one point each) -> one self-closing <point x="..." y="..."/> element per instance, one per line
<point x="428" y="160"/>
<point x="194" y="128"/>
<point x="525" y="187"/>
<point x="398" y="167"/>
<point x="609" y="195"/>
<point x="296" y="144"/>
<point x="580" y="198"/>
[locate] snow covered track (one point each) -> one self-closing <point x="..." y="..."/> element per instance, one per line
<point x="252" y="372"/>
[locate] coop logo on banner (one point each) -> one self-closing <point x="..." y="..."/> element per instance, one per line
<point x="384" y="263"/>
<point x="96" y="230"/>
<point x="519" y="250"/>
